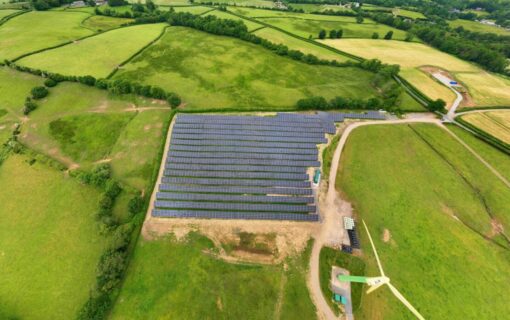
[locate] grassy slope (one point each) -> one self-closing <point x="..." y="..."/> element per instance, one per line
<point x="102" y="23"/>
<point x="495" y="123"/>
<point x="486" y="89"/>
<point x="88" y="57"/>
<point x="39" y="29"/>
<point x="276" y="36"/>
<point x="217" y="72"/>
<point x="225" y="15"/>
<point x="478" y="27"/>
<point x="311" y="28"/>
<point x="49" y="242"/>
<point x="6" y="12"/>
<point x="169" y="279"/>
<point x="498" y="159"/>
<point x="396" y="181"/>
<point x="15" y="87"/>
<point x="193" y="9"/>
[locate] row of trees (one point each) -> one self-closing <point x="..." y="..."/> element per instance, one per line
<point x="333" y="34"/>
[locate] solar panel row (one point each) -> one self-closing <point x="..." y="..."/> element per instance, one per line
<point x="201" y="136"/>
<point x="235" y="168"/>
<point x="234" y="215"/>
<point x="237" y="182"/>
<point x="231" y="198"/>
<point x="236" y="174"/>
<point x="257" y="207"/>
<point x="235" y="190"/>
<point x="260" y="162"/>
<point x="259" y="144"/>
<point x="240" y="155"/>
<point x="239" y="120"/>
<point x="174" y="147"/>
<point x="252" y="132"/>
<point x="260" y="127"/>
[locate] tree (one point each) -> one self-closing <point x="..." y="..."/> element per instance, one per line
<point x="332" y="34"/>
<point x="50" y="83"/>
<point x="29" y="106"/>
<point x="409" y="37"/>
<point x="150" y="5"/>
<point x="173" y="100"/>
<point x="39" y="92"/>
<point x="322" y="34"/>
<point x="339" y="33"/>
<point x="437" y="105"/>
<point x="359" y="19"/>
<point x="41" y="5"/>
<point x="389" y="35"/>
<point x="116" y="3"/>
<point x="375" y="35"/>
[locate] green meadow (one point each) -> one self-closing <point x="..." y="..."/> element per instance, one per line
<point x="87" y="57"/>
<point x="478" y="27"/>
<point x="15" y="87"/>
<point x="225" y="15"/>
<point x="435" y="200"/>
<point x="103" y="23"/>
<point x="49" y="241"/>
<point x="37" y="30"/>
<point x="166" y="276"/>
<point x="6" y="12"/>
<point x="310" y="28"/>
<point x="219" y="72"/>
<point x="192" y="9"/>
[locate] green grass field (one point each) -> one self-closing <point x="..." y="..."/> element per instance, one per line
<point x="293" y="43"/>
<point x="38" y="30"/>
<point x="495" y="123"/>
<point x="245" y="3"/>
<point x="87" y="57"/>
<point x="310" y="28"/>
<point x="166" y="276"/>
<point x="102" y="23"/>
<point x="192" y="9"/>
<point x="485" y="88"/>
<point x="49" y="241"/>
<point x="498" y="159"/>
<point x="15" y="87"/>
<point x="7" y="12"/>
<point x="416" y="190"/>
<point x="478" y="27"/>
<point x="225" y="15"/>
<point x="408" y="14"/>
<point x="219" y="72"/>
<point x="311" y="7"/>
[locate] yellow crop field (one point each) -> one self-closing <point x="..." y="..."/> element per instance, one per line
<point x="486" y="89"/>
<point x="495" y="123"/>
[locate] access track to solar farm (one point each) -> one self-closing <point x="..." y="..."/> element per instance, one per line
<point x="244" y="167"/>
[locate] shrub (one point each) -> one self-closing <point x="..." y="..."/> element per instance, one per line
<point x="375" y="35"/>
<point x="388" y="35"/>
<point x="39" y="92"/>
<point x="50" y="83"/>
<point x="437" y="105"/>
<point x="322" y="34"/>
<point x="29" y="106"/>
<point x="173" y="100"/>
<point x="135" y="205"/>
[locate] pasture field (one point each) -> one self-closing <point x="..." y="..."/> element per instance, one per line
<point x="311" y="7"/>
<point x="15" y="87"/>
<point x="38" y="30"/>
<point x="495" y="123"/>
<point x="498" y="159"/>
<point x="102" y="23"/>
<point x="379" y="167"/>
<point x="7" y="12"/>
<point x="49" y="239"/>
<point x="485" y="88"/>
<point x="192" y="9"/>
<point x="246" y="3"/>
<point x="211" y="71"/>
<point x="90" y="125"/>
<point x="428" y="85"/>
<point x="293" y="43"/>
<point x="87" y="57"/>
<point x="310" y="28"/>
<point x="225" y="15"/>
<point x="478" y="27"/>
<point x="408" y="14"/>
<point x="165" y="275"/>
<point x="261" y="13"/>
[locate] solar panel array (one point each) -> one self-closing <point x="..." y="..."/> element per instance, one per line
<point x="244" y="167"/>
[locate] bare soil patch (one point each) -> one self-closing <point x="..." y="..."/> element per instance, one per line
<point x="386" y="235"/>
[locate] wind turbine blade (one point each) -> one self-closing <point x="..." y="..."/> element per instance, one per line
<point x="373" y="288"/>
<point x="405" y="302"/>
<point x="373" y="248"/>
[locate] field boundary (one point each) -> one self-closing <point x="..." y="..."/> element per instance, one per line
<point x="479" y="133"/>
<point x="12" y="15"/>
<point x="137" y="53"/>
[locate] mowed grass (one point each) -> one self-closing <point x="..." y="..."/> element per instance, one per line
<point x="396" y="181"/>
<point x="495" y="123"/>
<point x="485" y="88"/>
<point x="408" y="14"/>
<point x="246" y="3"/>
<point x="225" y="15"/>
<point x="38" y="30"/>
<point x="87" y="57"/>
<point x="192" y="9"/>
<point x="293" y="43"/>
<point x="15" y="87"/>
<point x="310" y="28"/>
<point x="49" y="241"/>
<point x="211" y="71"/>
<point x="168" y="279"/>
<point x="498" y="159"/>
<point x="478" y="27"/>
<point x="428" y="85"/>
<point x="309" y="7"/>
<point x="7" y="12"/>
<point x="102" y="23"/>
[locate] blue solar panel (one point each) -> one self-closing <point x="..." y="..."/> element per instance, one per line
<point x="234" y="190"/>
<point x="244" y="132"/>
<point x="220" y="167"/>
<point x="230" y="197"/>
<point x="258" y="207"/>
<point x="247" y="138"/>
<point x="201" y="214"/>
<point x="236" y="174"/>
<point x="261" y="127"/>
<point x="260" y="144"/>
<point x="175" y="147"/>
<point x="237" y="182"/>
<point x="242" y="155"/>
<point x="261" y="162"/>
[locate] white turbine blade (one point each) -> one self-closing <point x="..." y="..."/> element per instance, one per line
<point x="373" y="248"/>
<point x="373" y="288"/>
<point x="405" y="302"/>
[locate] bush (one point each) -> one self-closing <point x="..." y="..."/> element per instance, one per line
<point x="375" y="35"/>
<point x="173" y="100"/>
<point x="135" y="205"/>
<point x="39" y="92"/>
<point x="437" y="105"/>
<point x="322" y="34"/>
<point x="29" y="106"/>
<point x="50" y="83"/>
<point x="388" y="35"/>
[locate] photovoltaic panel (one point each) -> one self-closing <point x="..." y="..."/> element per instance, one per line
<point x="175" y="147"/>
<point x="257" y="207"/>
<point x="230" y="198"/>
<point x="260" y="144"/>
<point x="261" y="127"/>
<point x="216" y="167"/>
<point x="236" y="174"/>
<point x="241" y="155"/>
<point x="241" y="120"/>
<point x="295" y="163"/>
<point x="201" y="214"/>
<point x="237" y="182"/>
<point x="234" y="190"/>
<point x="253" y="132"/>
<point x="247" y="138"/>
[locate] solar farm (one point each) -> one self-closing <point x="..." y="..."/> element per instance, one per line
<point x="245" y="167"/>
